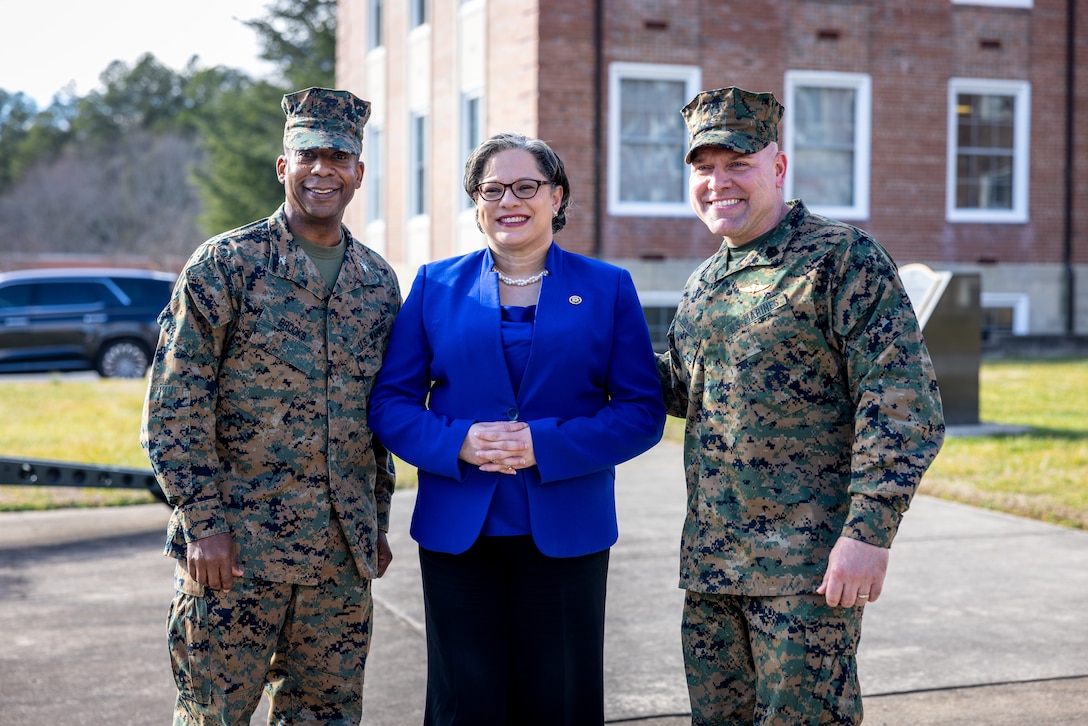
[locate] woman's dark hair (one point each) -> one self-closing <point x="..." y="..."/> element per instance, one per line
<point x="549" y="163"/>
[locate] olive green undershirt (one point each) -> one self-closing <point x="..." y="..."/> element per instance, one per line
<point x="327" y="259"/>
<point x="735" y="254"/>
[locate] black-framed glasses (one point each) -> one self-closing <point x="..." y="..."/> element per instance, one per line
<point x="522" y="189"/>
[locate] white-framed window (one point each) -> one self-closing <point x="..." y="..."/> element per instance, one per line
<point x="647" y="138"/>
<point x="472" y="134"/>
<point x="374" y="174"/>
<point x="375" y="39"/>
<point x="988" y="137"/>
<point x="417" y="165"/>
<point x="997" y="3"/>
<point x="827" y="134"/>
<point x="1005" y="313"/>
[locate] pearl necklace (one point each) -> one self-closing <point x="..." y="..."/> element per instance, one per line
<point x="521" y="281"/>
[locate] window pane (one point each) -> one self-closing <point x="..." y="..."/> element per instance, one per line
<point x="375" y="24"/>
<point x="375" y="176"/>
<point x="144" y="292"/>
<point x="471" y="134"/>
<point x="72" y="293"/>
<point x="15" y="296"/>
<point x="824" y="141"/>
<point x="995" y="182"/>
<point x="653" y="140"/>
<point x="824" y="177"/>
<point x="650" y="173"/>
<point x="984" y="151"/>
<point x="825" y="116"/>
<point x="419" y="12"/>
<point x="419" y="165"/>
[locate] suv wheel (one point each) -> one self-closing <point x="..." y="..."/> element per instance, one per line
<point x="122" y="359"/>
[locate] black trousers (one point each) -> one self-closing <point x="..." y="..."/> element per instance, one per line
<point x="514" y="637"/>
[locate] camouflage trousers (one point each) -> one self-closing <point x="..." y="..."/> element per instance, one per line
<point x="305" y="646"/>
<point x="770" y="660"/>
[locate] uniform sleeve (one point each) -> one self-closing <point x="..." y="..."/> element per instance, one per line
<point x="673" y="375"/>
<point x="178" y="429"/>
<point x="385" y="482"/>
<point x="899" y="420"/>
<point x="674" y="372"/>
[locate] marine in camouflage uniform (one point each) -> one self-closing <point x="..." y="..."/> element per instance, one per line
<point x="812" y="411"/>
<point x="256" y="426"/>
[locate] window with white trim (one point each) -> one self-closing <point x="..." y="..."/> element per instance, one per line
<point x="1005" y="313"/>
<point x="827" y="140"/>
<point x="988" y="125"/>
<point x="647" y="138"/>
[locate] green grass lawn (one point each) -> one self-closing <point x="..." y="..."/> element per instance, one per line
<point x="84" y="422"/>
<point x="1042" y="473"/>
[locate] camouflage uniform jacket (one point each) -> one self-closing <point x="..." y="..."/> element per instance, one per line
<point x="256" y="414"/>
<point x="811" y="404"/>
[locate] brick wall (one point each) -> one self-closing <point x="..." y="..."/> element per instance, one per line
<point x="540" y="64"/>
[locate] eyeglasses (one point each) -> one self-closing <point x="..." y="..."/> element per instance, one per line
<point x="522" y="189"/>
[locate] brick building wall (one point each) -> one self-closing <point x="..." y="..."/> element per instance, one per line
<point x="545" y="69"/>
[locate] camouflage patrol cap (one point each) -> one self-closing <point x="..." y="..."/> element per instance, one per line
<point x="732" y="117"/>
<point x="321" y="118"/>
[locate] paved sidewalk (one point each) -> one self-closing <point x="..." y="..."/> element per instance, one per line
<point x="984" y="619"/>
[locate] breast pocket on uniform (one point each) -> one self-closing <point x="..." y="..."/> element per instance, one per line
<point x="369" y="349"/>
<point x="760" y="329"/>
<point x="772" y="355"/>
<point x="278" y="336"/>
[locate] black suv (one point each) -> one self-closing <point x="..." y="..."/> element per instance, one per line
<point x="79" y="319"/>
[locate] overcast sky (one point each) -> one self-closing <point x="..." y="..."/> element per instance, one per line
<point x="50" y="43"/>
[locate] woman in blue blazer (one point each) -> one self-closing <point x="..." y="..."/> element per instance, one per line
<point x="517" y="377"/>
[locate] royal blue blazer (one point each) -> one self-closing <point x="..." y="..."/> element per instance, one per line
<point x="590" y="395"/>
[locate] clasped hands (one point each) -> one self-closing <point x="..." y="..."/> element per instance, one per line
<point x="499" y="446"/>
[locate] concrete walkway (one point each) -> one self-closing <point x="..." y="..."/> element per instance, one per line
<point x="984" y="619"/>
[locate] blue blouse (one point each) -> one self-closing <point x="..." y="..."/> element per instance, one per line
<point x="509" y="511"/>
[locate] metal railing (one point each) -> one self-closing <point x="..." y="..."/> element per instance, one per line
<point x="40" y="472"/>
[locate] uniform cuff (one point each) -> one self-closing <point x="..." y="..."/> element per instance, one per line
<point x="202" y="519"/>
<point x="871" y="522"/>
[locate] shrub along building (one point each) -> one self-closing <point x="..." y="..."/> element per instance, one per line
<point x="943" y="127"/>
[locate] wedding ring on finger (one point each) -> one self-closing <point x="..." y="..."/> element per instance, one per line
<point x="863" y="597"/>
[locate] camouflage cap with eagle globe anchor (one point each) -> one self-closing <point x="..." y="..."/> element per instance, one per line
<point x="732" y="117"/>
<point x="323" y="118"/>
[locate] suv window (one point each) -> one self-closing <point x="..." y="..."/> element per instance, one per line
<point x="16" y="296"/>
<point x="72" y="293"/>
<point x="144" y="293"/>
